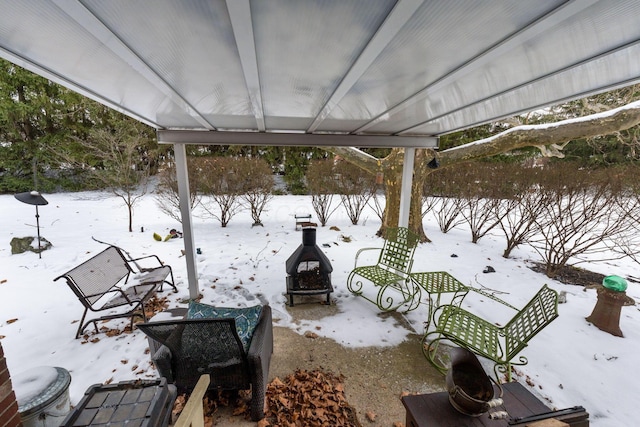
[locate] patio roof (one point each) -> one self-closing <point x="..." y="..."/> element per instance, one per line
<point x="355" y="73"/>
<point x="351" y="67"/>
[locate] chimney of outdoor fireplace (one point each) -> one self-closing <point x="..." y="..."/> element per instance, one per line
<point x="308" y="236"/>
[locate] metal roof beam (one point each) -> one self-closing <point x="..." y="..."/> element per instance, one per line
<point x="93" y="25"/>
<point x="540" y="80"/>
<point x="241" y="22"/>
<point x="43" y="71"/>
<point x="537" y="27"/>
<point x="293" y="139"/>
<point x="401" y="13"/>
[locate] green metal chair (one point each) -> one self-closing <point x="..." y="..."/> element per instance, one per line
<point x="484" y="338"/>
<point x="390" y="274"/>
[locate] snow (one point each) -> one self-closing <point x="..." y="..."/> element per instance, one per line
<point x="558" y="124"/>
<point x="30" y="384"/>
<point x="571" y="362"/>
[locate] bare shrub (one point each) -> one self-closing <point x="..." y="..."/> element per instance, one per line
<point x="627" y="242"/>
<point x="356" y="187"/>
<point x="224" y="186"/>
<point x="447" y="213"/>
<point x="580" y="218"/>
<point x="257" y="185"/>
<point x="523" y="208"/>
<point x="428" y="204"/>
<point x="481" y="192"/>
<point x="322" y="186"/>
<point x="377" y="203"/>
<point x="442" y="191"/>
<point x="118" y="159"/>
<point x="167" y="195"/>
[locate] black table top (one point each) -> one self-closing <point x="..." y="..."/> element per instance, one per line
<point x="435" y="410"/>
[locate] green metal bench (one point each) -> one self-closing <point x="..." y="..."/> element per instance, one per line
<point x="498" y="344"/>
<point x="390" y="274"/>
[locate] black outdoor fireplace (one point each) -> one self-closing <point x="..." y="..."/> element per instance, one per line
<point x="308" y="269"/>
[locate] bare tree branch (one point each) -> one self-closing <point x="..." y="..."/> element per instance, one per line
<point x="552" y="136"/>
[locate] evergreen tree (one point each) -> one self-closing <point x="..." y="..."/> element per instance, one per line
<point x="36" y="115"/>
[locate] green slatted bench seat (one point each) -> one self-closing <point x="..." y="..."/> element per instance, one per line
<point x="390" y="274"/>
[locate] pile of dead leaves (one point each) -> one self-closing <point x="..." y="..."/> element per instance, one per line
<point x="304" y="398"/>
<point x="214" y="399"/>
<point x="155" y="305"/>
<point x="308" y="398"/>
<point x="570" y="275"/>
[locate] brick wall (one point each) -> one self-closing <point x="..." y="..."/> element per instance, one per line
<point x="9" y="416"/>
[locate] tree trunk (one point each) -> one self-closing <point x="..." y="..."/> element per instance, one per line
<point x="392" y="170"/>
<point x="391" y="166"/>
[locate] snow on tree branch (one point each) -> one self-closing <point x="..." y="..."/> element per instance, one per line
<point x="550" y="138"/>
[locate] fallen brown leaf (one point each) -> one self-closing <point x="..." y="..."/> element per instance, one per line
<point x="309" y="398"/>
<point x="213" y="399"/>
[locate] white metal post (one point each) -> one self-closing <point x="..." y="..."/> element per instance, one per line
<point x="185" y="213"/>
<point x="405" y="188"/>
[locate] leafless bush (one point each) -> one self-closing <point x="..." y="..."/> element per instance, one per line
<point x="377" y="202"/>
<point x="428" y="204"/>
<point x="447" y="213"/>
<point x="523" y="208"/>
<point x="481" y="192"/>
<point x="223" y="184"/>
<point x="627" y="242"/>
<point x="118" y="160"/>
<point x="167" y="197"/>
<point x="356" y="187"/>
<point x="581" y="217"/>
<point x="322" y="186"/>
<point x="257" y="185"/>
<point x="441" y="191"/>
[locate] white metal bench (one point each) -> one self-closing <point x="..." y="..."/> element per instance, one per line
<point x="100" y="283"/>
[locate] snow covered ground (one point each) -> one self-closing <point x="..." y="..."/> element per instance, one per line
<point x="570" y="362"/>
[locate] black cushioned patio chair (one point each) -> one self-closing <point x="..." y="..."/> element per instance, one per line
<point x="193" y="347"/>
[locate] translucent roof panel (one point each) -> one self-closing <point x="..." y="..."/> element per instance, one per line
<point x="405" y="68"/>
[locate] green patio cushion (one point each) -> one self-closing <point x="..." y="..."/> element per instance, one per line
<point x="246" y="318"/>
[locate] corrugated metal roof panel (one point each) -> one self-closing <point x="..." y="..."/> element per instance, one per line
<point x="405" y="67"/>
